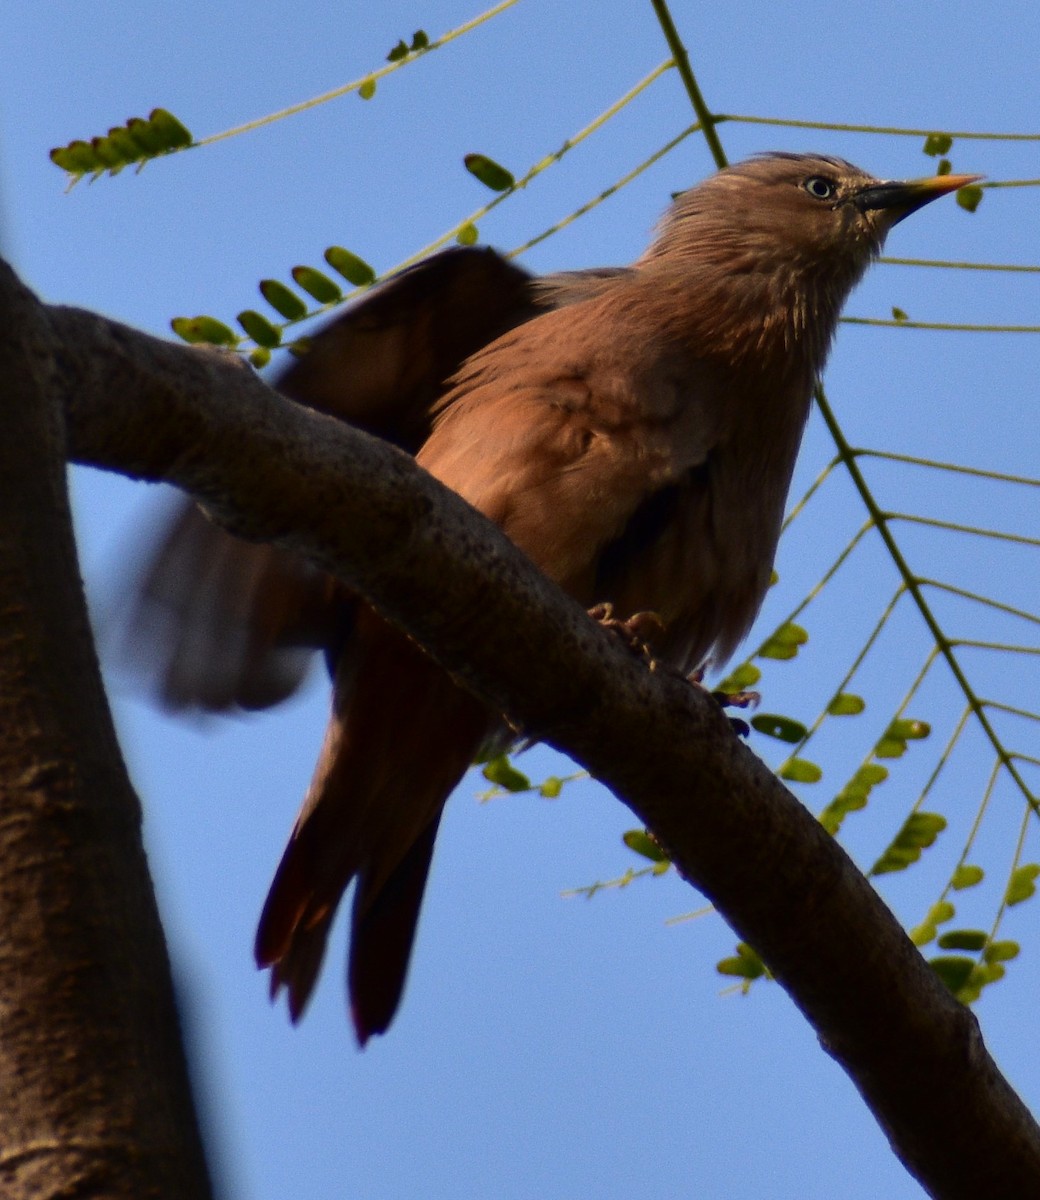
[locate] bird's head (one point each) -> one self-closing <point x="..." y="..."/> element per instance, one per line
<point x="781" y="240"/>
<point x="797" y="208"/>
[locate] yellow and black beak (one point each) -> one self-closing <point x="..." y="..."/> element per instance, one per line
<point x="903" y="198"/>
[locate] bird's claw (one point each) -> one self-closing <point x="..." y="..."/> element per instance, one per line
<point x="637" y="632"/>
<point x="737" y="700"/>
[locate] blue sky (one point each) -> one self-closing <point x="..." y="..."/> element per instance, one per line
<point x="547" y="1046"/>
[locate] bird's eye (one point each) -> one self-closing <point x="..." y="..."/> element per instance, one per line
<point x="820" y="188"/>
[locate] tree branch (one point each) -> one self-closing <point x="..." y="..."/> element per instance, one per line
<point x="268" y="469"/>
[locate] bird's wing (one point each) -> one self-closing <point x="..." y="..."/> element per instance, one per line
<point x="219" y="623"/>
<point x="383" y="363"/>
<point x="589" y="440"/>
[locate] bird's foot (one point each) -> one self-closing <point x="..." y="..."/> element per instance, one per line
<point x="637" y="632"/>
<point x="728" y="700"/>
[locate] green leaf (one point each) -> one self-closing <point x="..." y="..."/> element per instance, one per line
<point x="204" y="329"/>
<point x="953" y="970"/>
<point x="943" y="167"/>
<point x="420" y="41"/>
<point x="124" y="144"/>
<point x="845" y="704"/>
<point x="937" y="143"/>
<point x="146" y="135"/>
<point x="853" y="796"/>
<point x="501" y="771"/>
<point x="784" y="729"/>
<point x="77" y="158"/>
<point x="963" y="939"/>
<point x="397" y="52"/>
<point x="970" y="197"/>
<point x="368" y="89"/>
<point x="906" y="729"/>
<point x="136" y="141"/>
<point x="174" y="135"/>
<point x="919" y="831"/>
<point x="746" y="965"/>
<point x="315" y="283"/>
<point x="353" y="269"/>
<point x="783" y="643"/>
<point x="643" y="843"/>
<point x="550" y="788"/>
<point x="282" y="300"/>
<point x="107" y="153"/>
<point x="467" y="235"/>
<point x="871" y="774"/>
<point x="982" y="975"/>
<point x="744" y="677"/>
<point x="898" y="314"/>
<point x="966" y="876"/>
<point x="800" y="770"/>
<point x="260" y="357"/>
<point x="259" y="328"/>
<point x="1001" y="951"/>
<point x="890" y="748"/>
<point x="490" y="174"/>
<point x="937" y="915"/>
<point x="1022" y="884"/>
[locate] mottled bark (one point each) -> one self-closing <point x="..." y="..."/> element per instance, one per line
<point x="94" y="1093"/>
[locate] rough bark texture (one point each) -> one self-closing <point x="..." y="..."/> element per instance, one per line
<point x="94" y="1093"/>
<point x="268" y="469"/>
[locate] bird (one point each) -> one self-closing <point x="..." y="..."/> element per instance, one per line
<point x="633" y="430"/>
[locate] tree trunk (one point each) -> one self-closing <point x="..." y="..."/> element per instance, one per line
<point x="94" y="1089"/>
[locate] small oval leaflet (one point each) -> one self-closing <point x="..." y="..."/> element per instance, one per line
<point x="970" y="197"/>
<point x="1022" y="884"/>
<point x="259" y="328"/>
<point x="317" y="284"/>
<point x="643" y="844"/>
<point x="953" y="970"/>
<point x="282" y="300"/>
<point x="800" y="770"/>
<point x="963" y="939"/>
<point x="204" y="329"/>
<point x="966" y="876"/>
<point x="746" y="965"/>
<point x="1001" y="951"/>
<point x="744" y="677"/>
<point x="353" y="269"/>
<point x="501" y="772"/>
<point x="784" y="729"/>
<point x="489" y="172"/>
<point x="937" y="143"/>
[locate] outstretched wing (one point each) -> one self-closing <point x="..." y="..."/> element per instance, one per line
<point x="219" y="623"/>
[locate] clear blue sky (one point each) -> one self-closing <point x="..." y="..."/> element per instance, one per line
<point x="546" y="1047"/>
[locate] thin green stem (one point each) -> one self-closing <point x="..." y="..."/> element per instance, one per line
<point x="957" y="468"/>
<point x="969" y="135"/>
<point x="682" y="65"/>
<point x="357" y="84"/>
<point x="954" y="527"/>
<point x="914" y="587"/>
<point x="957" y="266"/>
<point x="988" y="601"/>
<point x="948" y="326"/>
<point x="589" y="205"/>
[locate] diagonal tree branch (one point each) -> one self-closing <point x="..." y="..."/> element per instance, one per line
<point x="268" y="469"/>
